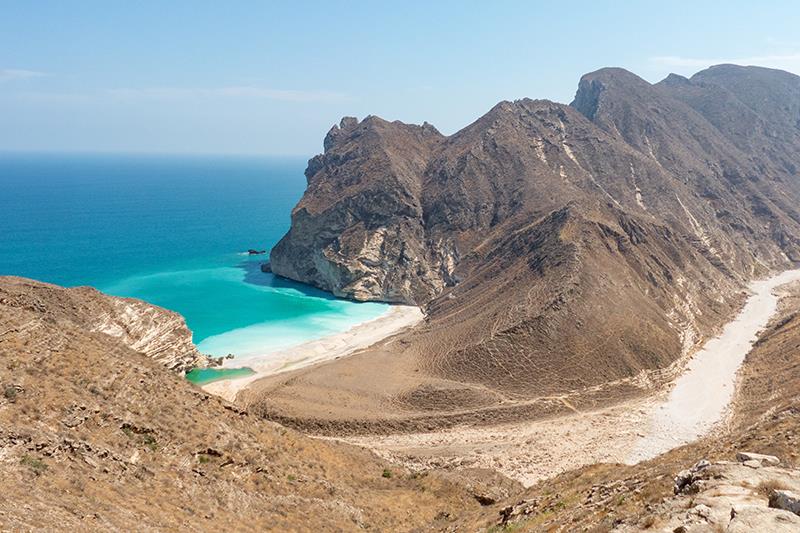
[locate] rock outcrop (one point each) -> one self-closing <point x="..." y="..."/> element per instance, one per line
<point x="733" y="497"/>
<point x="156" y="332"/>
<point x="359" y="231"/>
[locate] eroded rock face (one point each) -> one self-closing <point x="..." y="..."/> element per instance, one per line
<point x="156" y="332"/>
<point x="358" y="231"/>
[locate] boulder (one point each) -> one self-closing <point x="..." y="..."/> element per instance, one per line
<point x="266" y="267"/>
<point x="752" y="463"/>
<point x="750" y="518"/>
<point x="682" y="480"/>
<point x="743" y="457"/>
<point x="686" y="478"/>
<point x="785" y="500"/>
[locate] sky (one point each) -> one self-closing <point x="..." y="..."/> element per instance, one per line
<point x="272" y="77"/>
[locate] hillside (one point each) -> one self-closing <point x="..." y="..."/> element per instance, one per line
<point x="729" y="496"/>
<point x="96" y="435"/>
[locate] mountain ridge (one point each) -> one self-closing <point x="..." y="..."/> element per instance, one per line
<point x="554" y="248"/>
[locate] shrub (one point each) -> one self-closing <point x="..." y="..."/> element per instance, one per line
<point x="766" y="487"/>
<point x="10" y="393"/>
<point x="387" y="473"/>
<point x="37" y="465"/>
<point x="150" y="441"/>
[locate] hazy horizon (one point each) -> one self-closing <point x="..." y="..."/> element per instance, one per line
<point x="270" y="80"/>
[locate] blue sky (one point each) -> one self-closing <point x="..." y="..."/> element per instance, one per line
<point x="271" y="78"/>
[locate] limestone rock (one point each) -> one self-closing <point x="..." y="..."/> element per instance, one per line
<point x="743" y="457"/>
<point x="786" y="500"/>
<point x="156" y="332"/>
<point x="750" y="518"/>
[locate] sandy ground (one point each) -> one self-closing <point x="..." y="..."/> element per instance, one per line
<point x="528" y="451"/>
<point x="356" y="338"/>
<point x="626" y="433"/>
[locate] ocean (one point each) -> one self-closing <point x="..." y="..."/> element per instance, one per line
<point x="173" y="231"/>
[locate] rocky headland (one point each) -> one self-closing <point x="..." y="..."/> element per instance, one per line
<point x="567" y="256"/>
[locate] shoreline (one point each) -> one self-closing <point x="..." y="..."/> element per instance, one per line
<point x="358" y="337"/>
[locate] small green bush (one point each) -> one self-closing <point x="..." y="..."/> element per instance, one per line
<point x="37" y="465"/>
<point x="150" y="441"/>
<point x="387" y="473"/>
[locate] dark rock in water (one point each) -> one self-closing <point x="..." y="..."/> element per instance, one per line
<point x="256" y="252"/>
<point x="266" y="267"/>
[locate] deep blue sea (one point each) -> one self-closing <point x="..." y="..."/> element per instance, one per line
<point x="170" y="230"/>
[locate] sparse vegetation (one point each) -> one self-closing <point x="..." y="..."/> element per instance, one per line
<point x="150" y="441"/>
<point x="36" y="465"/>
<point x="10" y="393"/>
<point x="766" y="487"/>
<point x="387" y="473"/>
<point x="505" y="528"/>
<point x="203" y="458"/>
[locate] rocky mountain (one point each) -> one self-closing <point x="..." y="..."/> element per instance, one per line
<point x="558" y="250"/>
<point x="392" y="209"/>
<point x="156" y="332"/>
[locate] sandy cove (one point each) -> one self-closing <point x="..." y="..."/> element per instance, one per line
<point x="342" y="344"/>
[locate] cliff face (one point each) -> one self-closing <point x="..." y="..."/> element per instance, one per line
<point x="153" y="331"/>
<point x="358" y="231"/>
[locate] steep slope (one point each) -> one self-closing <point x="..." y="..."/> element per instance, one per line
<point x="766" y="419"/>
<point x="740" y="204"/>
<point x="357" y="232"/>
<point x="97" y="436"/>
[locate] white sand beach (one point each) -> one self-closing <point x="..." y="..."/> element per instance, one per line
<point x="356" y="338"/>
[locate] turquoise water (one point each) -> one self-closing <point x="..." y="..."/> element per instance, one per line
<point x="172" y="231"/>
<point x="203" y="376"/>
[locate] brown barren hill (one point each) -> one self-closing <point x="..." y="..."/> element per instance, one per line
<point x="97" y="436"/>
<point x="566" y="256"/>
